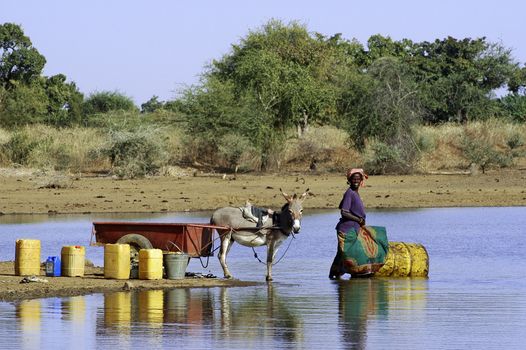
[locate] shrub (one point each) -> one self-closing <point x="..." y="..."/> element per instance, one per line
<point x="481" y="152"/>
<point x="19" y="147"/>
<point x="106" y="101"/>
<point x="381" y="158"/>
<point x="135" y="154"/>
<point x="231" y="148"/>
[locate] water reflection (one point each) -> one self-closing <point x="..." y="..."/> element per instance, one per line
<point x="253" y="316"/>
<point x="28" y="312"/>
<point x="223" y="314"/>
<point x="362" y="301"/>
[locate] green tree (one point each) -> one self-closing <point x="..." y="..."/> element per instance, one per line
<point x="457" y="76"/>
<point x="106" y="101"/>
<point x="152" y="105"/>
<point x="64" y="101"/>
<point x="284" y="73"/>
<point x="19" y="60"/>
<point x="382" y="103"/>
<point x="23" y="104"/>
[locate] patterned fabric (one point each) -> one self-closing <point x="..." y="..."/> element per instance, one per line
<point x="361" y="251"/>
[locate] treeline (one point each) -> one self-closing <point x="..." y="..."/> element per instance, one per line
<point x="278" y="81"/>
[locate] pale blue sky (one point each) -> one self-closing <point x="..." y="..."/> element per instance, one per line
<point x="156" y="47"/>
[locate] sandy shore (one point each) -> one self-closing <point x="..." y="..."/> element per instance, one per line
<point x="31" y="194"/>
<point x="35" y="195"/>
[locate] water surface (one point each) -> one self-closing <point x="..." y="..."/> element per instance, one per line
<point x="475" y="296"/>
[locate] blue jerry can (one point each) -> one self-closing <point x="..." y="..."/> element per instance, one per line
<point x="53" y="266"/>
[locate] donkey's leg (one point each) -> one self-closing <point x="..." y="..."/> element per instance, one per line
<point x="271" y="252"/>
<point x="226" y="243"/>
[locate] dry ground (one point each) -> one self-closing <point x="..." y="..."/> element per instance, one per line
<point x="36" y="195"/>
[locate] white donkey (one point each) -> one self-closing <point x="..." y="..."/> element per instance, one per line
<point x="272" y="233"/>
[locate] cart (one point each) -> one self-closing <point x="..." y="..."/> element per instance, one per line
<point x="194" y="239"/>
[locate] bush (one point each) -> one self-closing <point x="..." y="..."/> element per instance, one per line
<point x="19" y="147"/>
<point x="135" y="154"/>
<point x="515" y="106"/>
<point x="481" y="152"/>
<point x="107" y="101"/>
<point x="381" y="158"/>
<point x="231" y="148"/>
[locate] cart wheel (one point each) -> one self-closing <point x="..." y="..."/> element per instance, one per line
<point x="136" y="242"/>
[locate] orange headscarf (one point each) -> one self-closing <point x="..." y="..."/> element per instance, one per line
<point x="360" y="171"/>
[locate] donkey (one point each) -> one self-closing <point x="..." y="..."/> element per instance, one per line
<point x="238" y="229"/>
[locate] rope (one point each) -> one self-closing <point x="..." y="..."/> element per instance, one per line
<point x="282" y="256"/>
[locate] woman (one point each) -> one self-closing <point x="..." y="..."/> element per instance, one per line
<point x="352" y="217"/>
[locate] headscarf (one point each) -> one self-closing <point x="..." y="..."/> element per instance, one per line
<point x="360" y="171"/>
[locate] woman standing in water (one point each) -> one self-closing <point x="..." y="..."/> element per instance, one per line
<point x="352" y="213"/>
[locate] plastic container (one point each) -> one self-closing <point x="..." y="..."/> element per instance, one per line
<point x="150" y="264"/>
<point x="27" y="257"/>
<point x="53" y="266"/>
<point x="175" y="265"/>
<point x="73" y="260"/>
<point x="117" y="261"/>
<point x="405" y="260"/>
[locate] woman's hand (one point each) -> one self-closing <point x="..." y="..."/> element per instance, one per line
<point x="361" y="221"/>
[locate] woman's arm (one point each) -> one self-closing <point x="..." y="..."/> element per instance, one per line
<point x="347" y="215"/>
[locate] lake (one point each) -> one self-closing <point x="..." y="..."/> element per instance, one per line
<point x="475" y="296"/>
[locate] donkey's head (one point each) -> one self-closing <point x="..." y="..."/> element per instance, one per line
<point x="293" y="210"/>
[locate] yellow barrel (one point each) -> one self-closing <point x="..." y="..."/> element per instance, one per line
<point x="150" y="264"/>
<point x="405" y="260"/>
<point x="117" y="261"/>
<point x="27" y="257"/>
<point x="73" y="259"/>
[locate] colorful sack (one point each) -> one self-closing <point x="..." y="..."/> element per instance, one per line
<point x="364" y="252"/>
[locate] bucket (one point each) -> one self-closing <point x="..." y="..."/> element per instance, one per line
<point x="405" y="260"/>
<point x="117" y="261"/>
<point x="53" y="266"/>
<point x="27" y="257"/>
<point x="175" y="265"/>
<point x="150" y="264"/>
<point x="73" y="261"/>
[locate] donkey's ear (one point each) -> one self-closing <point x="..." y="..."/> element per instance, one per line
<point x="304" y="195"/>
<point x="287" y="197"/>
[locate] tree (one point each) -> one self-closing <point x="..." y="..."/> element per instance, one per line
<point x="64" y="101"/>
<point x="457" y="76"/>
<point x="106" y="101"/>
<point x="151" y="105"/>
<point x="23" y="104"/>
<point x="284" y="73"/>
<point x="383" y="104"/>
<point x="19" y="60"/>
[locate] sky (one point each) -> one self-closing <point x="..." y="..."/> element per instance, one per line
<point x="159" y="47"/>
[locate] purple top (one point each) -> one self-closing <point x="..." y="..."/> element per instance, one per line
<point x="351" y="202"/>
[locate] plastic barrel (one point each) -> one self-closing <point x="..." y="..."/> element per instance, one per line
<point x="405" y="260"/>
<point x="73" y="259"/>
<point x="53" y="266"/>
<point x="27" y="257"/>
<point x="150" y="264"/>
<point x="117" y="261"/>
<point x="175" y="265"/>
